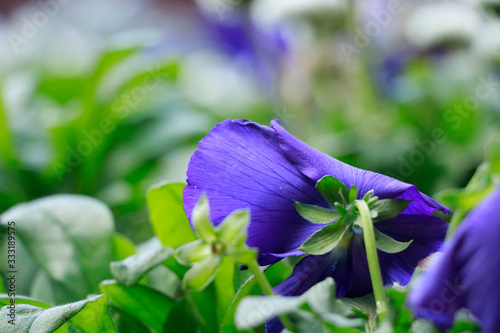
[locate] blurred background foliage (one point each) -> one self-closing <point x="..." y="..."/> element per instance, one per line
<point x="108" y="98"/>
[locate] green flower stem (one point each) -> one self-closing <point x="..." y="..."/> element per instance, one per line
<point x="371" y="255"/>
<point x="268" y="290"/>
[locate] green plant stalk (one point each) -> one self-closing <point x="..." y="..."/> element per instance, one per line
<point x="268" y="290"/>
<point x="372" y="257"/>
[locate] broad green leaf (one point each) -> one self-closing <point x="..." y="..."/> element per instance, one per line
<point x="202" y="273"/>
<point x="131" y="269"/>
<point x="316" y="214"/>
<point x="389" y="245"/>
<point x="233" y="225"/>
<point x="167" y="215"/>
<point x="388" y="208"/>
<point x="493" y="154"/>
<point x="325" y="239"/>
<point x="253" y="311"/>
<point x="154" y="75"/>
<point x="224" y="288"/>
<point x="122" y="247"/>
<point x="201" y="220"/>
<point x="204" y="305"/>
<point x="69" y="237"/>
<point x="192" y="252"/>
<point x="42" y="288"/>
<point x="5" y="300"/>
<point x="182" y="318"/>
<point x="88" y="316"/>
<point x="7" y="153"/>
<point x="143" y="303"/>
<point x="332" y="190"/>
<point x="245" y="290"/>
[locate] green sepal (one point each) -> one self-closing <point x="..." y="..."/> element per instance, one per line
<point x="199" y="276"/>
<point x="332" y="190"/>
<point x="368" y="197"/>
<point x="201" y="220"/>
<point x="388" y="208"/>
<point x="389" y="245"/>
<point x="316" y="214"/>
<point x="233" y="225"/>
<point x="191" y="252"/>
<point x="325" y="239"/>
<point x="353" y="193"/>
<point x="340" y="209"/>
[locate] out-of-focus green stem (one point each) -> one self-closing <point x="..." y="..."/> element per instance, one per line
<point x="268" y="290"/>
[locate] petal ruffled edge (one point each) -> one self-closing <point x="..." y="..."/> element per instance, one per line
<point x="315" y="164"/>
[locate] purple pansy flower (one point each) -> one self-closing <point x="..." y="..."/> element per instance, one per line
<point x="466" y="275"/>
<point x="241" y="164"/>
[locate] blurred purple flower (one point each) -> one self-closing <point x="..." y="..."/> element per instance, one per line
<point x="466" y="275"/>
<point x="242" y="40"/>
<point x="235" y="35"/>
<point x="241" y="164"/>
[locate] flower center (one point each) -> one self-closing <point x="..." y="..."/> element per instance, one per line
<point x="217" y="247"/>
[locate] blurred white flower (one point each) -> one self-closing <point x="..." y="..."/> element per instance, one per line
<point x="272" y="11"/>
<point x="442" y="22"/>
<point x="487" y="42"/>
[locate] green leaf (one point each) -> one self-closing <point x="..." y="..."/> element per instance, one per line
<point x="189" y="253"/>
<point x="316" y="214"/>
<point x="88" y="316"/>
<point x="256" y="310"/>
<point x="7" y="148"/>
<point x="233" y="225"/>
<point x="182" y="318"/>
<point x="325" y="239"/>
<point x="202" y="273"/>
<point x="387" y="244"/>
<point x="167" y="215"/>
<point x="131" y="269"/>
<point x="201" y="220"/>
<point x="122" y="246"/>
<point x="69" y="237"/>
<point x="143" y="303"/>
<point x="332" y="190"/>
<point x="388" y="208"/>
<point x="246" y="288"/>
<point x="5" y="300"/>
<point x="224" y="288"/>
